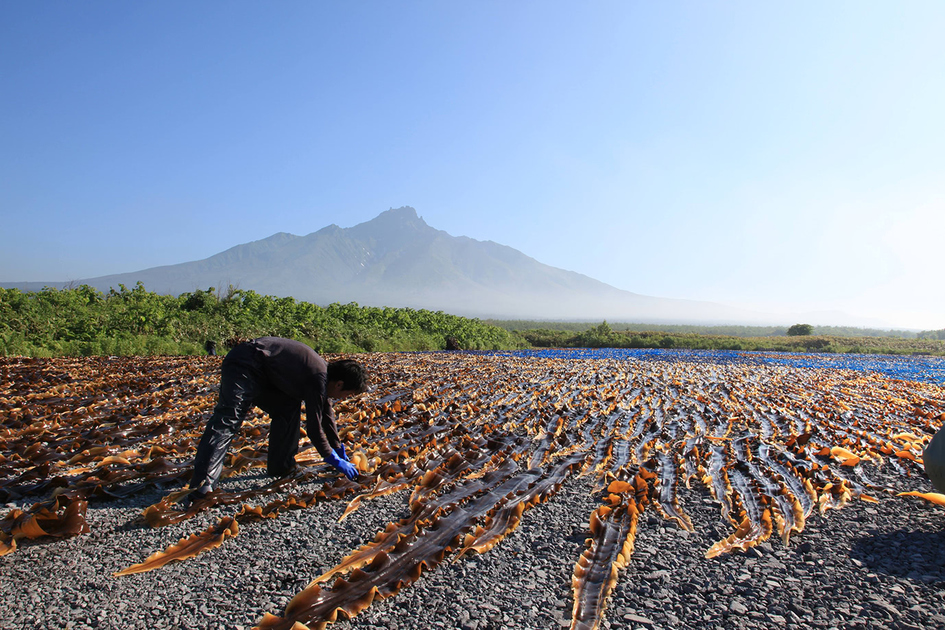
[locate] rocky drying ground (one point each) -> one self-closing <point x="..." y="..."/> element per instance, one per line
<point x="859" y="564"/>
<point x="866" y="566"/>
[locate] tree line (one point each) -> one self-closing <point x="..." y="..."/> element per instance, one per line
<point x="604" y="336"/>
<point x="726" y="330"/>
<point x="84" y="321"/>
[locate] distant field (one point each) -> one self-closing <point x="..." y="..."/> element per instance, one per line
<point x="604" y="335"/>
<point x="723" y="330"/>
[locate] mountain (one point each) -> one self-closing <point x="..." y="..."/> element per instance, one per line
<point x="396" y="259"/>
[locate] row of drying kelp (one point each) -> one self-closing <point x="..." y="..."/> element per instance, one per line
<point x="473" y="442"/>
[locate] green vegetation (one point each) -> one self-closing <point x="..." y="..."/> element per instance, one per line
<point x="84" y="321"/>
<point x="800" y="330"/>
<point x="603" y="336"/>
<point x="725" y="330"/>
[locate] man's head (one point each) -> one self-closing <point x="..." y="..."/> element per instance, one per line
<point x="346" y="378"/>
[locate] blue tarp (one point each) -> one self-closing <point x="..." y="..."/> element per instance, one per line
<point x="929" y="369"/>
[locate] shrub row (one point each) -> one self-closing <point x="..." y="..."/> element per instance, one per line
<point x="84" y="321"/>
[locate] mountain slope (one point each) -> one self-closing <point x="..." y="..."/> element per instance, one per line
<point x="396" y="259"/>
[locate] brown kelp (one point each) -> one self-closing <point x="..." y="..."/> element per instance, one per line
<point x="472" y="444"/>
<point x="613" y="529"/>
<point x="187" y="547"/>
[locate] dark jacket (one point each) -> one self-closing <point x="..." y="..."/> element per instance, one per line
<point x="297" y="372"/>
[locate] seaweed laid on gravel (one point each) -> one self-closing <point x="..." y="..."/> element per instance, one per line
<point x="482" y="475"/>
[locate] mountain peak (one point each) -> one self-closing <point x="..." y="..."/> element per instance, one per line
<point x="405" y="215"/>
<point x="403" y="211"/>
<point x="397" y="225"/>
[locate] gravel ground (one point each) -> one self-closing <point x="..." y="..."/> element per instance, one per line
<point x="865" y="566"/>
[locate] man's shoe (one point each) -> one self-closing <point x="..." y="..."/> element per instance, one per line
<point x="272" y="471"/>
<point x="194" y="497"/>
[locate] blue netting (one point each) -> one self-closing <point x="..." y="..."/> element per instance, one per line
<point x="912" y="368"/>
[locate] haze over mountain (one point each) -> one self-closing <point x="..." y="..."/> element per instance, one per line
<point x="396" y="259"/>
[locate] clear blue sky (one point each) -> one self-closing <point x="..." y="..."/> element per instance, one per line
<point x="783" y="156"/>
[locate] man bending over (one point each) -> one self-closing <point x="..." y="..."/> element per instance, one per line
<point x="276" y="375"/>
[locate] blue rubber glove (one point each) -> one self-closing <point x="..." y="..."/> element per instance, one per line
<point x="341" y="453"/>
<point x="350" y="471"/>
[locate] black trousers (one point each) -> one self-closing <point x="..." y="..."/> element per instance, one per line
<point x="243" y="385"/>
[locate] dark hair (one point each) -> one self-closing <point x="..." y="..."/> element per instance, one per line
<point x="351" y="373"/>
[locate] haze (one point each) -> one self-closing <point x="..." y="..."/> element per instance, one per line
<point x="780" y="157"/>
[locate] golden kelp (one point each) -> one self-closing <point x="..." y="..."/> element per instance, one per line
<point x="472" y="443"/>
<point x="187" y="547"/>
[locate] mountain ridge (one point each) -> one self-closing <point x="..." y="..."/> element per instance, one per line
<point x="397" y="259"/>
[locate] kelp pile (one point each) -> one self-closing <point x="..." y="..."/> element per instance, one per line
<point x="473" y="443"/>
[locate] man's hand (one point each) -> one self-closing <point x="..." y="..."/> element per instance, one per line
<point x="342" y="454"/>
<point x="344" y="466"/>
<point x="348" y="469"/>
